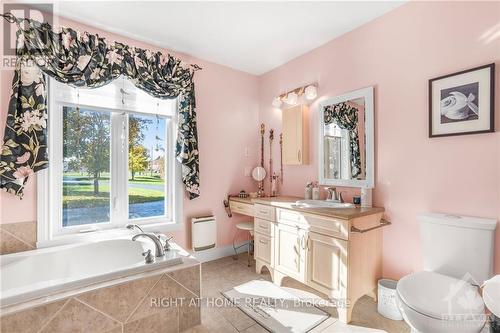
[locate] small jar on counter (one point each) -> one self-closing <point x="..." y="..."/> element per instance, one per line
<point x="308" y="191"/>
<point x="316" y="192"/>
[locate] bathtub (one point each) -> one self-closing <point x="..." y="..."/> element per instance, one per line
<point x="33" y="274"/>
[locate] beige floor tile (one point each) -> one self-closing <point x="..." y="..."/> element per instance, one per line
<point x="223" y="274"/>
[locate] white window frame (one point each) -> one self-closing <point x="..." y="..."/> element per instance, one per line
<point x="50" y="231"/>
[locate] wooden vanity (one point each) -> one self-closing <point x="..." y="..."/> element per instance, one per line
<point x="337" y="252"/>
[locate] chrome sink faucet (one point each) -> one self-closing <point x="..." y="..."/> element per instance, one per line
<point x="333" y="195"/>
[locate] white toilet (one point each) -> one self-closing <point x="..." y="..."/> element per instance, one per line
<point x="458" y="257"/>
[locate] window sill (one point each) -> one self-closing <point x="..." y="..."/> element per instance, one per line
<point x="106" y="234"/>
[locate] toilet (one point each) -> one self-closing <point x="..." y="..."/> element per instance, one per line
<point x="457" y="259"/>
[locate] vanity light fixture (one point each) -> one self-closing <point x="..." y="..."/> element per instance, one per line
<point x="311" y="92"/>
<point x="291" y="97"/>
<point x="277" y="102"/>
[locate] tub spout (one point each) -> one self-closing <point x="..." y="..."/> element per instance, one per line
<point x="160" y="252"/>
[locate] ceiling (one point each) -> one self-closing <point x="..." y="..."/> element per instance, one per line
<point x="254" y="37"/>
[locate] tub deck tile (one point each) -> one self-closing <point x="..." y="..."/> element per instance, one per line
<point x="77" y="317"/>
<point x="119" y="301"/>
<point x="189" y="278"/>
<point x="30" y="320"/>
<point x="164" y="322"/>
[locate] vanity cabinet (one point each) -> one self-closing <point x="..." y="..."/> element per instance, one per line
<point x="327" y="263"/>
<point x="295" y="127"/>
<point x="290" y="252"/>
<point x="324" y="248"/>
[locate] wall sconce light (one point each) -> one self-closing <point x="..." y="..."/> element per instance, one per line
<point x="291" y="97"/>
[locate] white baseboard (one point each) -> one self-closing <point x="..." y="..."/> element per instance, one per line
<point x="216" y="253"/>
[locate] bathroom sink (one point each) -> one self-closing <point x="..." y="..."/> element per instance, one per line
<point x="322" y="204"/>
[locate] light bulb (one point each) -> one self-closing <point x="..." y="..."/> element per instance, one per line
<point x="277" y="102"/>
<point x="311" y="92"/>
<point x="291" y="98"/>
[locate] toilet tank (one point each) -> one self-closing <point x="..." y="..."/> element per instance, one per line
<point x="458" y="246"/>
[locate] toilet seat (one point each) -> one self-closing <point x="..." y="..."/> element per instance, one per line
<point x="439" y="296"/>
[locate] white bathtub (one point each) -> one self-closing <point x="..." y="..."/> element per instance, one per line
<point x="42" y="272"/>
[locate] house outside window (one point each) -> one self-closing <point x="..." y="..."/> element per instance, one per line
<point x="112" y="162"/>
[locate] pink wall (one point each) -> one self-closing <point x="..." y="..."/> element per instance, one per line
<point x="227" y="105"/>
<point x="398" y="53"/>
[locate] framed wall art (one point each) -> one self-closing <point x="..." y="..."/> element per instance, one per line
<point x="463" y="102"/>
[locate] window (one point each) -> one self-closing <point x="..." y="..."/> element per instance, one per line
<point x="111" y="161"/>
<point x="336" y="145"/>
<point x="86" y="166"/>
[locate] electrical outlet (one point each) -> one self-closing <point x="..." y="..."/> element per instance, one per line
<point x="247" y="153"/>
<point x="248" y="171"/>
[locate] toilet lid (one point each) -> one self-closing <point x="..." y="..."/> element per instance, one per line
<point x="439" y="296"/>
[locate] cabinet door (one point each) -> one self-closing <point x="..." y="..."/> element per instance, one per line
<point x="295" y="135"/>
<point x="290" y="251"/>
<point x="327" y="264"/>
<point x="263" y="248"/>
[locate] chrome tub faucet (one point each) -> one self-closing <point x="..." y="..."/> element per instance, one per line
<point x="159" y="250"/>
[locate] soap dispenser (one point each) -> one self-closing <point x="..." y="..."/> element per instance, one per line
<point x="366" y="197"/>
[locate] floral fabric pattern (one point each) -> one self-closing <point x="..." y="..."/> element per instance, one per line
<point x="346" y="117"/>
<point x="86" y="60"/>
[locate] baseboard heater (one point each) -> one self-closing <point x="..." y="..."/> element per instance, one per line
<point x="203" y="233"/>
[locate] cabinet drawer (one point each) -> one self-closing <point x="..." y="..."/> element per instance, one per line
<point x="241" y="208"/>
<point x="263" y="227"/>
<point x="324" y="225"/>
<point x="264" y="212"/>
<point x="263" y="248"/>
<point x="328" y="226"/>
<point x="290" y="217"/>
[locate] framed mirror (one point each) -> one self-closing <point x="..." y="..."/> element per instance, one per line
<point x="346" y="142"/>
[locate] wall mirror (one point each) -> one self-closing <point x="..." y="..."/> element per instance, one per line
<point x="346" y="142"/>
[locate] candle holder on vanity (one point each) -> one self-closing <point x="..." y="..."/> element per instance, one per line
<point x="259" y="173"/>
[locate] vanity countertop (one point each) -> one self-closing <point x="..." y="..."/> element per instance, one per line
<point x="288" y="202"/>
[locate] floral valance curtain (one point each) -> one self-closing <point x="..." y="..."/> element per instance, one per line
<point x="346" y="117"/>
<point x="86" y="60"/>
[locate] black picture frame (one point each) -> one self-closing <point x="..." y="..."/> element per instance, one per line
<point x="491" y="128"/>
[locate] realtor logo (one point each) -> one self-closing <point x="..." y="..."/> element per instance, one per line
<point x="20" y="10"/>
<point x="463" y="299"/>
